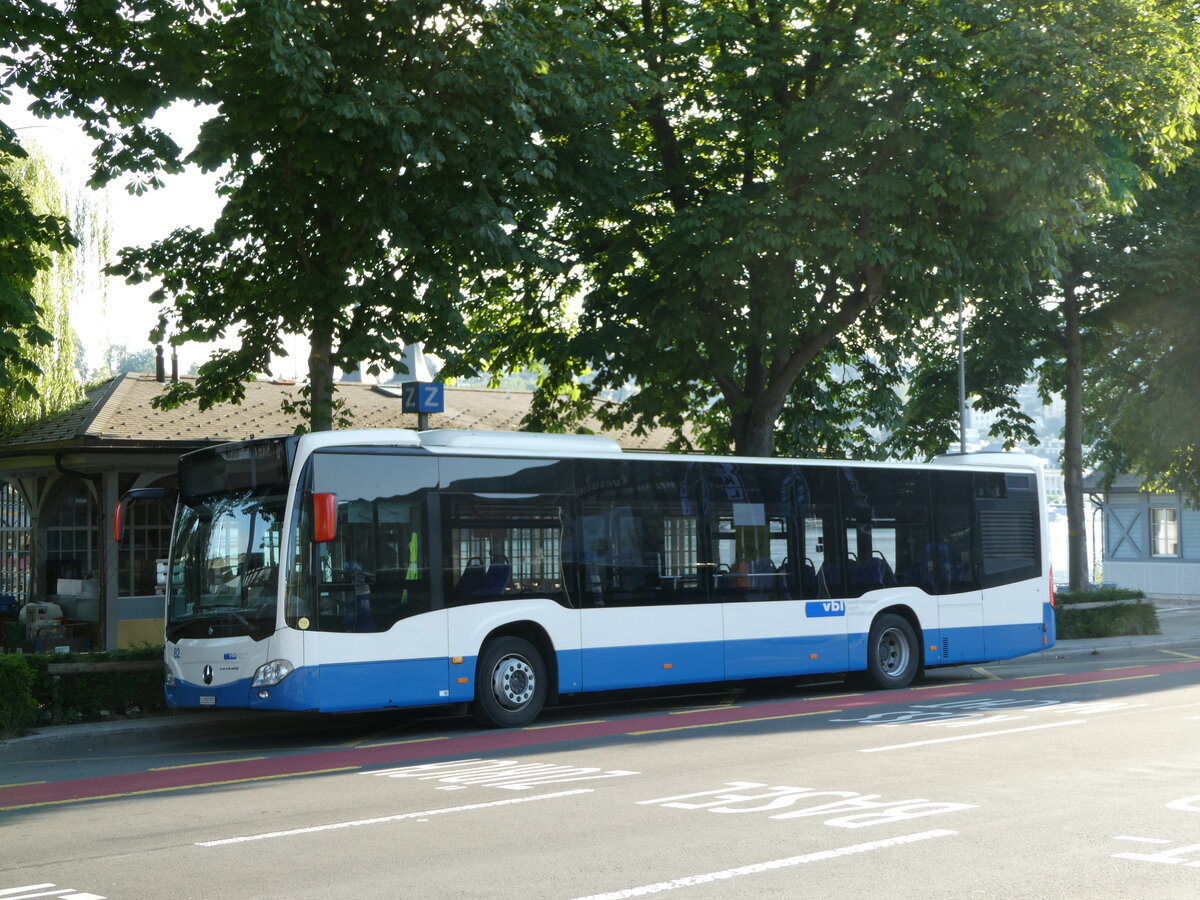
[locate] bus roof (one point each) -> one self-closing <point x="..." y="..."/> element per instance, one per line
<point x="517" y="443"/>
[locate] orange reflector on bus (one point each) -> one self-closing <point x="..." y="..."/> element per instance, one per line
<point x="813" y="655"/>
<point x="457" y="660"/>
<point x="666" y="665"/>
<point x="463" y="680"/>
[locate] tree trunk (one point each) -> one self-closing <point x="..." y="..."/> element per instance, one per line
<point x="754" y="430"/>
<point x="320" y="377"/>
<point x="1077" y="555"/>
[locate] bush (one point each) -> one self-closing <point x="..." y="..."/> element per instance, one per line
<point x="1099" y="595"/>
<point x="96" y="695"/>
<point x="18" y="709"/>
<point x="1106" y="621"/>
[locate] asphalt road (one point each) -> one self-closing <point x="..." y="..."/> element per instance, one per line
<point x="1070" y="773"/>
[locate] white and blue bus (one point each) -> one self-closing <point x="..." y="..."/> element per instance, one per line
<point x="358" y="570"/>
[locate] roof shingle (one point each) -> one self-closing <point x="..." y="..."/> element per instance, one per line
<point x="119" y="413"/>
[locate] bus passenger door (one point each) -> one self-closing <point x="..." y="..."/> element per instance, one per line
<point x="373" y="635"/>
<point x="645" y="616"/>
<point x="950" y="561"/>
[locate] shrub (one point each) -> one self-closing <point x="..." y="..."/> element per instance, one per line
<point x="1106" y="621"/>
<point x="18" y="709"/>
<point x="92" y="695"/>
<point x="1099" y="595"/>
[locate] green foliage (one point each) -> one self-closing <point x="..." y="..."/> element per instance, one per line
<point x="94" y="695"/>
<point x="121" y="359"/>
<point x="1145" y="352"/>
<point x="801" y="187"/>
<point x="36" y="267"/>
<point x="379" y="163"/>
<point x="1099" y="595"/>
<point x="18" y="709"/>
<point x="1106" y="621"/>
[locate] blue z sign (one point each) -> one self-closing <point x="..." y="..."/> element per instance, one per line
<point x="422" y="397"/>
<point x="817" y="608"/>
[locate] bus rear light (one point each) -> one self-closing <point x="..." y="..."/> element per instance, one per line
<point x="1052" y="587"/>
<point x="270" y="674"/>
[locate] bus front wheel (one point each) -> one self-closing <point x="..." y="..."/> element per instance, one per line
<point x="510" y="683"/>
<point x="892" y="653"/>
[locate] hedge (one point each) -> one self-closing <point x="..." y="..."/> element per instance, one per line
<point x="80" y="697"/>
<point x="1114" y="620"/>
<point x="1098" y="595"/>
<point x="18" y="709"/>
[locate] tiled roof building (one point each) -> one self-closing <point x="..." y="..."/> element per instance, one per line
<point x="60" y="480"/>
<point x="119" y="413"/>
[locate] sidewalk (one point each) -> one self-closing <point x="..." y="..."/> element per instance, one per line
<point x="1179" y="622"/>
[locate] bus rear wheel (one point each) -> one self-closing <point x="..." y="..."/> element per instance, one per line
<point x="510" y="683"/>
<point x="892" y="653"/>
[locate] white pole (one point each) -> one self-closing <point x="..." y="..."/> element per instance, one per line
<point x="962" y="382"/>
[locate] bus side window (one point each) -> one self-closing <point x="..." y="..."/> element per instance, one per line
<point x="638" y="538"/>
<point x="499" y="547"/>
<point x="887" y="528"/>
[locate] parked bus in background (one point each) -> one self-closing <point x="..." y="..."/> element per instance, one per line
<point x="356" y="570"/>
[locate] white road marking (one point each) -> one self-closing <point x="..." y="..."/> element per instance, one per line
<point x="381" y="819"/>
<point x="756" y="868"/>
<point x="501" y="773"/>
<point x="968" y="737"/>
<point x="1141" y="840"/>
<point x="23" y="893"/>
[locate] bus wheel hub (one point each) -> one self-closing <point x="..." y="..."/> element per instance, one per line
<point x="513" y="682"/>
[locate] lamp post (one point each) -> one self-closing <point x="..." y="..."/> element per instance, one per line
<point x="962" y="382"/>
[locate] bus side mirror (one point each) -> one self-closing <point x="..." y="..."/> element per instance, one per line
<point x="324" y="517"/>
<point x="121" y="513"/>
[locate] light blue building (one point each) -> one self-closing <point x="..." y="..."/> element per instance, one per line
<point x="1151" y="541"/>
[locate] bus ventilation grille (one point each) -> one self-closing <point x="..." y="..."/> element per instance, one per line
<point x="945" y="648"/>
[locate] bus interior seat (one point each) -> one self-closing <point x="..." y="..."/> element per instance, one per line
<point x="496" y="578"/>
<point x="872" y="572"/>
<point x="473" y="580"/>
<point x="808" y="579"/>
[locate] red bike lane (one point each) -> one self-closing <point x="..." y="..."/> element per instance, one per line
<point x="24" y="796"/>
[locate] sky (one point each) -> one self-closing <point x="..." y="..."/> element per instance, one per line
<point x="126" y="316"/>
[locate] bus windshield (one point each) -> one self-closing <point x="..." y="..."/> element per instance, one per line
<point x="225" y="566"/>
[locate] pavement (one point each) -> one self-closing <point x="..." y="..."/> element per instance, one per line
<point x="1179" y="623"/>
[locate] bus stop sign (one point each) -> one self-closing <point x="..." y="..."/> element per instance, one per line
<point x="423" y="397"/>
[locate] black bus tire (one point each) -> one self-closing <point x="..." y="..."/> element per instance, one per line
<point x="510" y="683"/>
<point x="893" y="656"/>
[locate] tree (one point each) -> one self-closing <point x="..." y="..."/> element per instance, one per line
<point x="803" y="185"/>
<point x="1105" y="333"/>
<point x="120" y="359"/>
<point x="34" y="232"/>
<point x="1143" y="417"/>
<point x="37" y="266"/>
<point x="375" y="158"/>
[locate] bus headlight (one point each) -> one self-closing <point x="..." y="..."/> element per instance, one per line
<point x="270" y="674"/>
